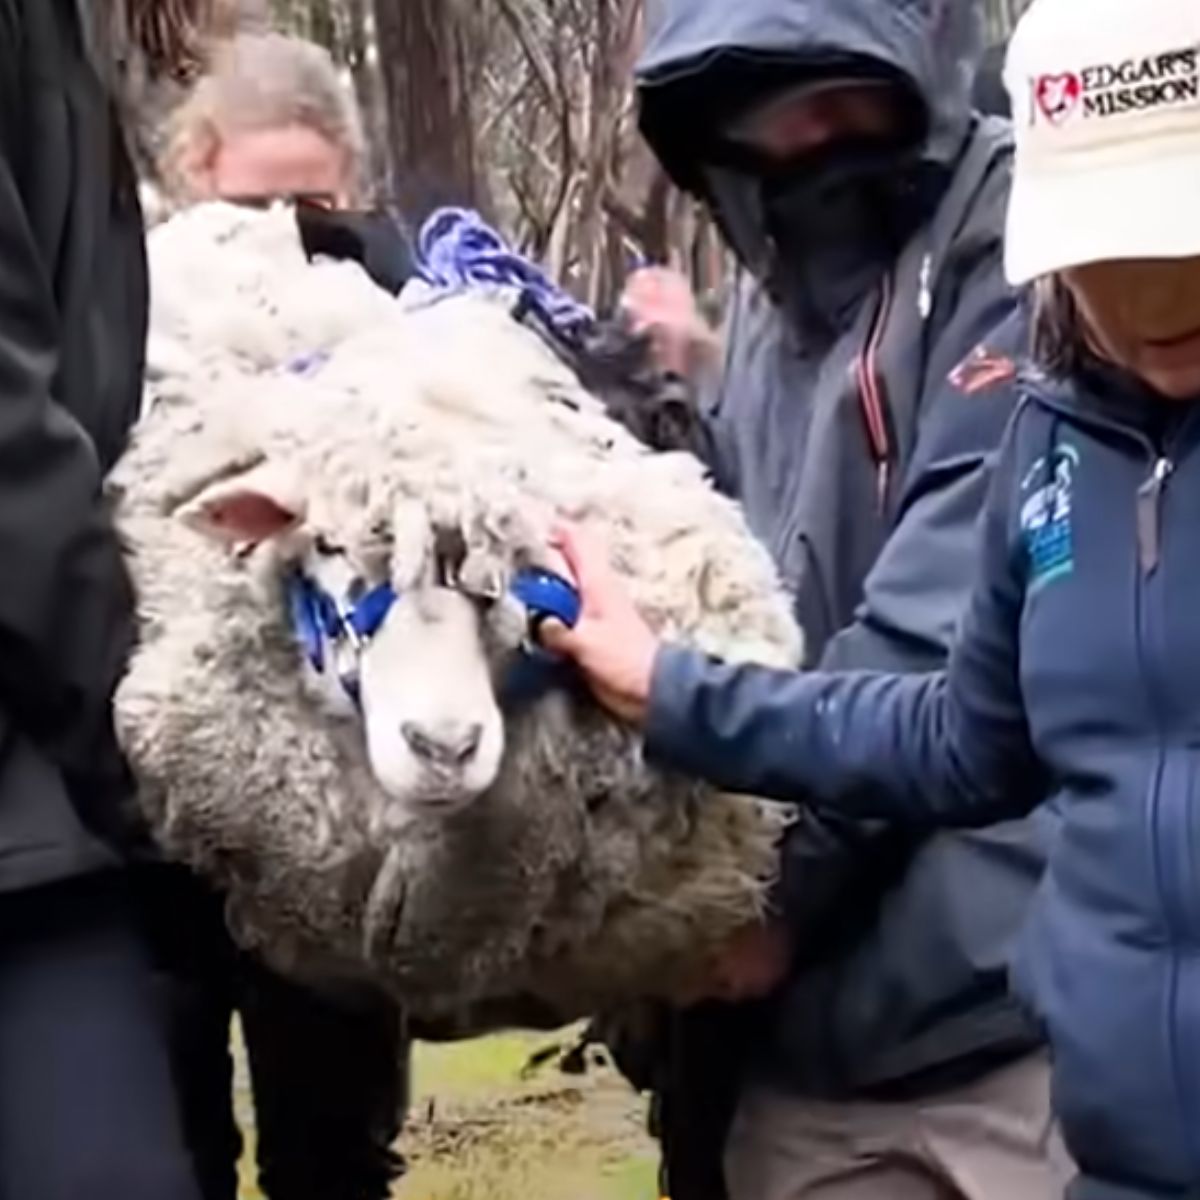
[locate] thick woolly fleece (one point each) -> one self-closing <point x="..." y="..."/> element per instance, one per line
<point x="583" y="878"/>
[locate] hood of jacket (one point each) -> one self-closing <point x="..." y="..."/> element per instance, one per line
<point x="705" y="59"/>
<point x="933" y="46"/>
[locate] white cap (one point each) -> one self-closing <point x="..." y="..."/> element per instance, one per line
<point x="1106" y="110"/>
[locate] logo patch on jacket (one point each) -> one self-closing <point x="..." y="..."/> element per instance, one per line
<point x="983" y="368"/>
<point x="1045" y="517"/>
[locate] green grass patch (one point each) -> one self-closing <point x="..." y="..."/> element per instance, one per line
<point x="472" y="1069"/>
<point x="482" y="1128"/>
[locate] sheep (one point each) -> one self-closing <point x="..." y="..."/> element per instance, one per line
<point x="233" y="290"/>
<point x="428" y="804"/>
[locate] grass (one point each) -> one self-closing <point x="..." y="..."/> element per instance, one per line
<point x="482" y="1128"/>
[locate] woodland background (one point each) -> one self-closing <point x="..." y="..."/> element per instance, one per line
<point x="524" y="110"/>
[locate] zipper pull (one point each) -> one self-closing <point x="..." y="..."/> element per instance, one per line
<point x="883" y="479"/>
<point x="925" y="288"/>
<point x="1149" y="515"/>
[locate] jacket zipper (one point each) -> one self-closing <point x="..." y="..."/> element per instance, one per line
<point x="871" y="396"/>
<point x="1150" y="506"/>
<point x="1150" y="503"/>
<point x="1149" y="515"/>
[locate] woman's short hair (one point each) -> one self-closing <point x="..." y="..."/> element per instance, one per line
<point x="1059" y="341"/>
<point x="255" y="82"/>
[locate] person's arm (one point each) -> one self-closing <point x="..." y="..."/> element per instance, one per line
<point x="949" y="748"/>
<point x="943" y="748"/>
<point x="913" y="600"/>
<point x="659" y="304"/>
<point x="52" y="540"/>
<point x="688" y="362"/>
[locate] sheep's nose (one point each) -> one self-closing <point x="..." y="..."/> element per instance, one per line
<point x="445" y="745"/>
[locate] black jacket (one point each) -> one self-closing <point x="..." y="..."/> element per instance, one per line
<point x="72" y="331"/>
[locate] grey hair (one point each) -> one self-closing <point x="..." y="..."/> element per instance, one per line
<point x="262" y="81"/>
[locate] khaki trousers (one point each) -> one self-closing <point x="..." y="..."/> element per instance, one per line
<point x="993" y="1140"/>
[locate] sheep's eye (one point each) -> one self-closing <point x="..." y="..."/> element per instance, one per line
<point x="484" y="601"/>
<point x="322" y="545"/>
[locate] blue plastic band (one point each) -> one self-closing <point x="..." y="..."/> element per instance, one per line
<point x="371" y="610"/>
<point x="302" y="603"/>
<point x="545" y="594"/>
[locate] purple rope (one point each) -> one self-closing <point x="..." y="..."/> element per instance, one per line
<point x="457" y="250"/>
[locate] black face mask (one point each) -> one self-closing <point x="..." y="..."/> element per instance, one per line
<point x="821" y="232"/>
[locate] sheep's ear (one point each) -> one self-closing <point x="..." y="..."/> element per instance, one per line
<point x="247" y="509"/>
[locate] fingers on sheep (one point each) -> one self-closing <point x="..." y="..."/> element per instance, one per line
<point x="333" y="571"/>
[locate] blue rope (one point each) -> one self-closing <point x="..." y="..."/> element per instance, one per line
<point x="457" y="250"/>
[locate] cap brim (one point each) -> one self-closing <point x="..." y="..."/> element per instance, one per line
<point x="1061" y="219"/>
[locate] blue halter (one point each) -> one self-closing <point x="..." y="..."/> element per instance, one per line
<point x="536" y="671"/>
<point x="319" y="622"/>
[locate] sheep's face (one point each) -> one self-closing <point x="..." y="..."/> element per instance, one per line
<point x="424" y="679"/>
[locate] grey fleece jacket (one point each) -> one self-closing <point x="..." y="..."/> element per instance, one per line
<point x="862" y="461"/>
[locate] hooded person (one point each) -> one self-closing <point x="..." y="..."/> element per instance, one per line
<point x="854" y="411"/>
<point x="991" y="96"/>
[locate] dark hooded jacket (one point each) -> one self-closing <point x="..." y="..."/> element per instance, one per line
<point x="72" y="329"/>
<point x="860" y="449"/>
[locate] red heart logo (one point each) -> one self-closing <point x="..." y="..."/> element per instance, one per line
<point x="1058" y="95"/>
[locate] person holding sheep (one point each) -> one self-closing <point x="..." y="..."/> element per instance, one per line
<point x="270" y="121"/>
<point x="86" y="1103"/>
<point x="852" y="404"/>
<point x="1070" y="686"/>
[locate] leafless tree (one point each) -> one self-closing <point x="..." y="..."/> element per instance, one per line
<point x="523" y="109"/>
<point x="428" y="52"/>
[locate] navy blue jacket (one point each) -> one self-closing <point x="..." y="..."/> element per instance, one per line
<point x="1074" y="683"/>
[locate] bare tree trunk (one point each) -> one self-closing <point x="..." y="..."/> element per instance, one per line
<point x="367" y="91"/>
<point x="424" y="56"/>
<point x="323" y="26"/>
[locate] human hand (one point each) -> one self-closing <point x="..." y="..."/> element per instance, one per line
<point x="752" y="964"/>
<point x="611" y="643"/>
<point x="659" y="304"/>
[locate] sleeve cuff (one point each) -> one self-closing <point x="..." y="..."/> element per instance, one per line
<point x="672" y="735"/>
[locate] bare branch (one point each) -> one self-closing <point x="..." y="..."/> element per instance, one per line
<point x="527" y="40"/>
